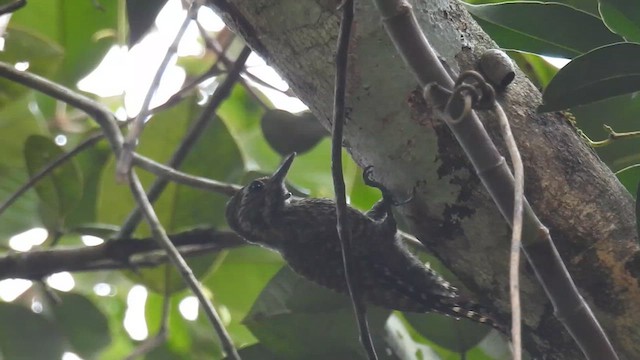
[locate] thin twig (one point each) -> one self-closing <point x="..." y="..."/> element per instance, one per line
<point x="351" y="276"/>
<point x="220" y="52"/>
<point x="612" y="136"/>
<point x="182" y="266"/>
<point x="107" y="122"/>
<point x="214" y="70"/>
<point x="179" y="177"/>
<point x="109" y="125"/>
<point x="41" y="174"/>
<point x="124" y="160"/>
<point x="11" y="7"/>
<point x="147" y="164"/>
<point x="516" y="234"/>
<point x="190" y="139"/>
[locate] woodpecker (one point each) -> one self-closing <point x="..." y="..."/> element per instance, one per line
<point x="303" y="231"/>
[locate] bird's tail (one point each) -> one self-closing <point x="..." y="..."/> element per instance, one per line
<point x="462" y="308"/>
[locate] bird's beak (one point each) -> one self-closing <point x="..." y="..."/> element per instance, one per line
<point x="281" y="173"/>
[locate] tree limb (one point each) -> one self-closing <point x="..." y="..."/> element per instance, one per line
<point x="589" y="213"/>
<point x="113" y="254"/>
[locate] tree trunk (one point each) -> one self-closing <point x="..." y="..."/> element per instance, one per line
<point x="590" y="215"/>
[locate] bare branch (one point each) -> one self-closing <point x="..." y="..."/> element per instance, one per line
<point x="190" y="139"/>
<point x="181" y="265"/>
<point x="124" y="160"/>
<point x="107" y="122"/>
<point x="113" y="254"/>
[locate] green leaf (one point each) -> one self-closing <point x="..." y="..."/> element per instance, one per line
<point x="288" y="133"/>
<point x="85" y="326"/>
<point x="255" y="352"/>
<point x="61" y="189"/>
<point x="237" y="281"/>
<point x="621" y="113"/>
<point x="91" y="163"/>
<point x="312" y="171"/>
<point x="215" y="155"/>
<point x="20" y="123"/>
<point x="599" y="74"/>
<point x="291" y="317"/>
<point x="84" y="29"/>
<point x="630" y="178"/>
<point x="26" y="335"/>
<point x="537" y="69"/>
<point x="456" y="335"/>
<point x="242" y="114"/>
<point x="588" y="6"/>
<point x="567" y="32"/>
<point x="622" y="17"/>
<point x="19" y="216"/>
<point x="37" y="53"/>
<point x="179" y="339"/>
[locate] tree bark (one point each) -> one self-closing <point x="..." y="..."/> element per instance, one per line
<point x="590" y="215"/>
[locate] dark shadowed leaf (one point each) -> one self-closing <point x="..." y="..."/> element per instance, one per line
<point x="256" y="352"/>
<point x="25" y="335"/>
<point x="85" y="326"/>
<point x="288" y="133"/>
<point x="456" y="335"/>
<point x="91" y="163"/>
<point x="599" y="74"/>
<point x="61" y="189"/>
<point x="141" y="15"/>
<point x="295" y="319"/>
<point x="567" y="32"/>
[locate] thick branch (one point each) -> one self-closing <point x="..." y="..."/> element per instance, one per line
<point x="113" y="254"/>
<point x="590" y="215"/>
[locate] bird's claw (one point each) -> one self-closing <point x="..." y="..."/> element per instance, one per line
<point x="367" y="177"/>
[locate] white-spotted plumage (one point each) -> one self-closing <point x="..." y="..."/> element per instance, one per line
<point x="304" y="232"/>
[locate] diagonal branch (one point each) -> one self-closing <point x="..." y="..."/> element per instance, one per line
<point x="190" y="139"/>
<point x="123" y="163"/>
<point x="181" y="265"/>
<point x="107" y="122"/>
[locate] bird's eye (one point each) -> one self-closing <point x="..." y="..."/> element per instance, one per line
<point x="256" y="185"/>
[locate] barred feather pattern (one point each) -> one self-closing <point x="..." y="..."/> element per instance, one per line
<point x="304" y="232"/>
